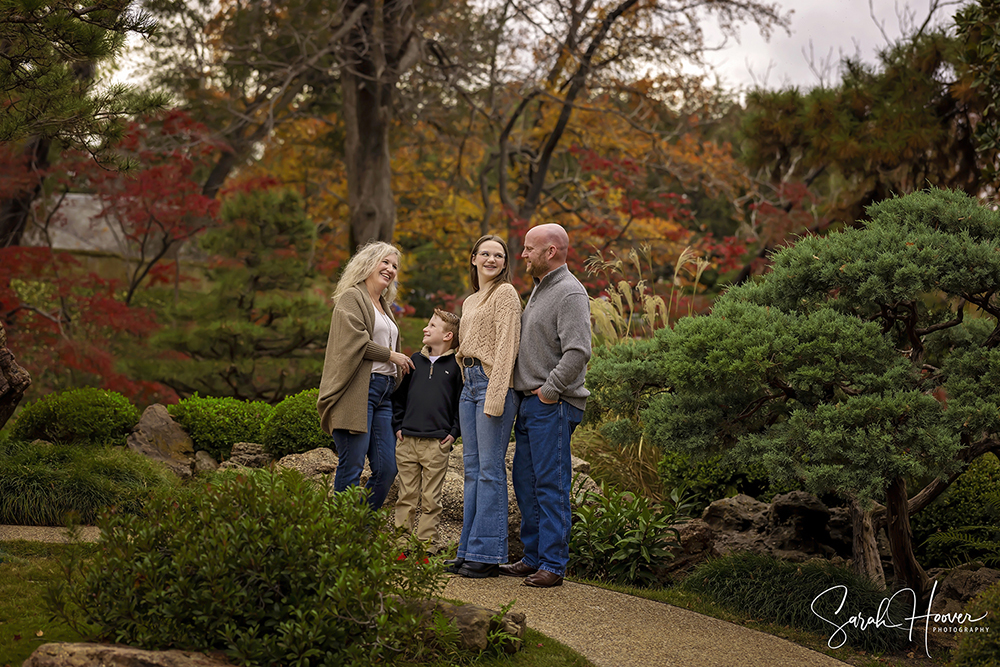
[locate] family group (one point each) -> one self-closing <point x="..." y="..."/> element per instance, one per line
<point x="496" y="368"/>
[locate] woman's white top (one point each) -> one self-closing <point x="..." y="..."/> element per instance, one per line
<point x="385" y="334"/>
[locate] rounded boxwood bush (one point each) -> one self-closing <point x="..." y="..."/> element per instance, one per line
<point x="294" y="426"/>
<point x="78" y="416"/>
<point x="964" y="503"/>
<point x="44" y="484"/>
<point x="980" y="649"/>
<point x="216" y="424"/>
<point x="268" y="567"/>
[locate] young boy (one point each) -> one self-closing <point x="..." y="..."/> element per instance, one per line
<point x="425" y="419"/>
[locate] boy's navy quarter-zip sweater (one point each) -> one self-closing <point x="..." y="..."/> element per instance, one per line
<point x="426" y="403"/>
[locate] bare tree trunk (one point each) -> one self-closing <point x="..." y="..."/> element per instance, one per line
<point x="14" y="211"/>
<point x="865" y="549"/>
<point x="908" y="572"/>
<point x="14" y="380"/>
<point x="379" y="48"/>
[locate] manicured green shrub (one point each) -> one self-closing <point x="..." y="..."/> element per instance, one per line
<point x="980" y="649"/>
<point x="965" y="503"/>
<point x="802" y="595"/>
<point x="78" y="416"/>
<point x="43" y="484"/>
<point x="621" y="537"/>
<point x="265" y="566"/>
<point x="216" y="424"/>
<point x="294" y="427"/>
<point x="714" y="478"/>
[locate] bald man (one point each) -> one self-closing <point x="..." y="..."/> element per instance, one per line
<point x="548" y="377"/>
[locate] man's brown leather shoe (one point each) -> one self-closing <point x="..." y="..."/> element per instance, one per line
<point x="518" y="569"/>
<point x="543" y="579"/>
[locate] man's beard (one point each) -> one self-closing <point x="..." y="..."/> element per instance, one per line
<point x="537" y="269"/>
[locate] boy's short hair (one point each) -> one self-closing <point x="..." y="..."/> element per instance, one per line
<point x="451" y="321"/>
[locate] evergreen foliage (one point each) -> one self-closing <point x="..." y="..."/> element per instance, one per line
<point x="50" y="50"/>
<point x="259" y="333"/>
<point x="216" y="424"/>
<point x="293" y="427"/>
<point x="710" y="479"/>
<point x="828" y="370"/>
<point x="85" y="416"/>
<point x="978" y="30"/>
<point x="270" y="568"/>
<point x="888" y="128"/>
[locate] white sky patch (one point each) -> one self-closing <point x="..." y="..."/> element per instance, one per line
<point x="823" y="31"/>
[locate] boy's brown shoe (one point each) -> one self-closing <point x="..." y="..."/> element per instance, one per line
<point x="518" y="569"/>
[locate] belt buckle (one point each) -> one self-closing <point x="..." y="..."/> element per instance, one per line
<point x="468" y="362"/>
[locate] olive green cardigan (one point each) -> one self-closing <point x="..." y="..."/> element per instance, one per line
<point x="350" y="351"/>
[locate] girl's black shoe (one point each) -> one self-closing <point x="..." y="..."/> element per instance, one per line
<point x="475" y="570"/>
<point x="454" y="565"/>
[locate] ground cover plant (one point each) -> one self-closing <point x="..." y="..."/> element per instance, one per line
<point x="622" y="537"/>
<point x="966" y="515"/>
<point x="44" y="484"/>
<point x="784" y="593"/>
<point x="26" y="568"/>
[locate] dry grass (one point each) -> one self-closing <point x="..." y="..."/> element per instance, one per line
<point x="633" y="468"/>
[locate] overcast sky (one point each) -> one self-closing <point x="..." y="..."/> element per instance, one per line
<point x="827" y="29"/>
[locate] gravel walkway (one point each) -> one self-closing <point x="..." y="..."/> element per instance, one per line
<point x="610" y="629"/>
<point x="617" y="630"/>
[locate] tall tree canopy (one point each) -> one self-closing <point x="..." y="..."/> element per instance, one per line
<point x="49" y="53"/>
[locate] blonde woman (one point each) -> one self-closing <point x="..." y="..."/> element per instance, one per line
<point x="490" y="333"/>
<point x="362" y="368"/>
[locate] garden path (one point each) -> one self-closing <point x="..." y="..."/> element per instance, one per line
<point x="617" y="630"/>
<point x="611" y="629"/>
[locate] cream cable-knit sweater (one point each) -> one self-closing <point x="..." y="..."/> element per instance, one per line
<point x="491" y="332"/>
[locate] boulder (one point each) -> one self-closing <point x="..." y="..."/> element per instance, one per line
<point x="795" y="527"/>
<point x="959" y="586"/>
<point x="60" y="654"/>
<point x="247" y="455"/>
<point x="203" y="462"/>
<point x="14" y="380"/>
<point x="475" y="623"/>
<point x="159" y="437"/>
<point x="312" y="464"/>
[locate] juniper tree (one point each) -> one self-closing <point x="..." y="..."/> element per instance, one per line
<point x="260" y="331"/>
<point x="865" y="360"/>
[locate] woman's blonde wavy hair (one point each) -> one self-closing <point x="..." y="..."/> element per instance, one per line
<point x="361" y="266"/>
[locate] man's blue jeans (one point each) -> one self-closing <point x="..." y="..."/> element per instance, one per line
<point x="484" y="450"/>
<point x="378" y="445"/>
<point x="543" y="475"/>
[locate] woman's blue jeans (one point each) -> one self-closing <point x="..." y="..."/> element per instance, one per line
<point x="484" y="449"/>
<point x="378" y="445"/>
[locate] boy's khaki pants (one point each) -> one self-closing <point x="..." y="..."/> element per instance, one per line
<point x="421" y="465"/>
